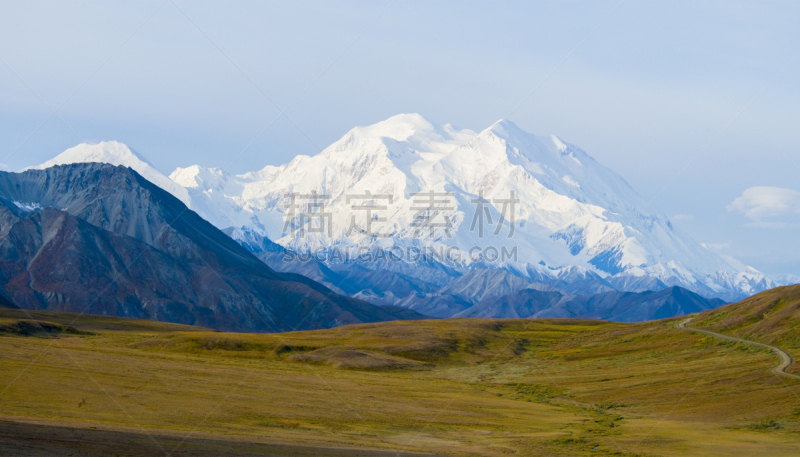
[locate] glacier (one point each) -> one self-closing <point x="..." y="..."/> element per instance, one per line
<point x="561" y="213"/>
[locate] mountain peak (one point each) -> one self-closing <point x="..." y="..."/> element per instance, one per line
<point x="196" y="176"/>
<point x="504" y="127"/>
<point x="112" y="152"/>
<point x="399" y="127"/>
<point x="116" y="153"/>
<point x="403" y="139"/>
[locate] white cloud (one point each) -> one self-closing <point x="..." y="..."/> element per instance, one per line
<point x="769" y="207"/>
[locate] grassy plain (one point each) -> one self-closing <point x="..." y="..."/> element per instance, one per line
<point x="451" y="387"/>
<point x="771" y="317"/>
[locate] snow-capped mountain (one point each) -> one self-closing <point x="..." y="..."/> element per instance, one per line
<point x="101" y="239"/>
<point x="116" y="153"/>
<point x="499" y="198"/>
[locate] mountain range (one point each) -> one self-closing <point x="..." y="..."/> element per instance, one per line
<point x="438" y="220"/>
<point x="572" y="217"/>
<point x="101" y="239"/>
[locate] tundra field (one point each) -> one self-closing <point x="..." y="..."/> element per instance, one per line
<point x="91" y="386"/>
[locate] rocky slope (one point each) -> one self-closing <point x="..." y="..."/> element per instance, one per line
<point x="613" y="306"/>
<point x="102" y="239"/>
<point x="495" y="293"/>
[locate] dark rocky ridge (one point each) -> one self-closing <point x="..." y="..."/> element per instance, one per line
<point x="101" y="239"/>
<point x="486" y="293"/>
<point x="613" y="306"/>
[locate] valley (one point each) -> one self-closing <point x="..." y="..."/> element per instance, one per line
<point x="447" y="387"/>
<point x="399" y="229"/>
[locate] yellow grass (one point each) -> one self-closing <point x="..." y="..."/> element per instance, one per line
<point x="455" y="387"/>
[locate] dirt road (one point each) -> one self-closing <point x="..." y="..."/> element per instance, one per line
<point x="786" y="359"/>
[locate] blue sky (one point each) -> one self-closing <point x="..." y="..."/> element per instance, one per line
<point x="696" y="105"/>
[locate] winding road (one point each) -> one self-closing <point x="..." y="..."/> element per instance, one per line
<point x="786" y="359"/>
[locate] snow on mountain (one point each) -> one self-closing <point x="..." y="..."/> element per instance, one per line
<point x="116" y="153"/>
<point x="787" y="279"/>
<point x="501" y="190"/>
